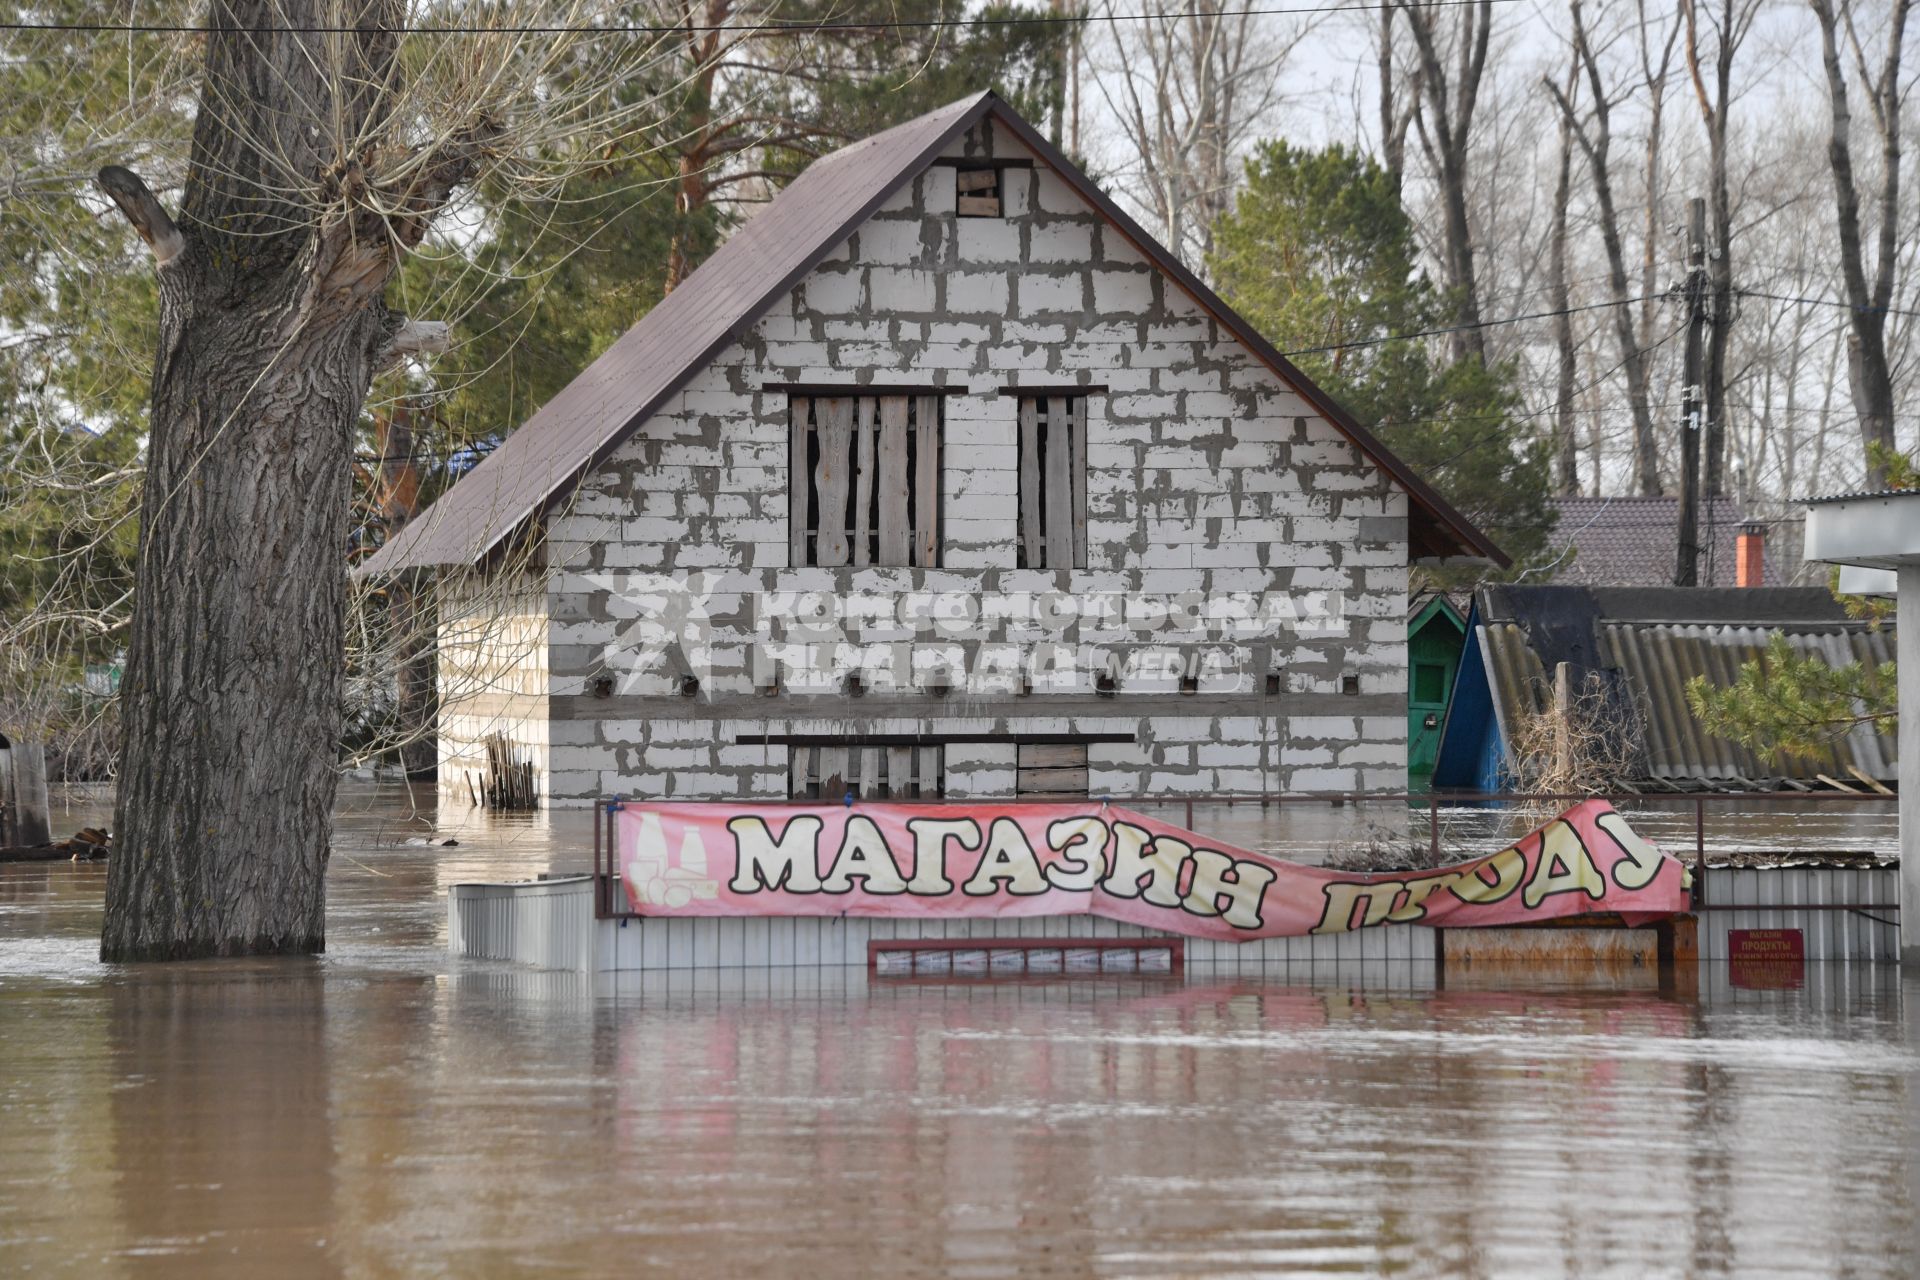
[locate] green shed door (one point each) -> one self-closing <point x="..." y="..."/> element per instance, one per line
<point x="1429" y="681"/>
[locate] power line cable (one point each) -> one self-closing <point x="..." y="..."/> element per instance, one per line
<point x="1048" y="19"/>
<point x="1478" y="324"/>
<point x="1826" y="302"/>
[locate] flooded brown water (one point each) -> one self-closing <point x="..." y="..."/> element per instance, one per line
<point x="386" y="1111"/>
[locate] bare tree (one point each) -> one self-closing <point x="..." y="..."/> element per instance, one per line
<point x="1595" y="136"/>
<point x="1565" y="435"/>
<point x="1730" y="22"/>
<point x="1191" y="87"/>
<point x="1654" y="74"/>
<point x="328" y="140"/>
<point x="1868" y="369"/>
<point x="1397" y="102"/>
<point x="1451" y="48"/>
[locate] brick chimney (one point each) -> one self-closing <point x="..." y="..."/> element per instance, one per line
<point x="1750" y="556"/>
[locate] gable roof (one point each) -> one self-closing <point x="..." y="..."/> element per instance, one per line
<point x="1424" y="606"/>
<point x="592" y="415"/>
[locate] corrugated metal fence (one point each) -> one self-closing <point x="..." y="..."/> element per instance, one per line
<point x="1845" y="912"/>
<point x="548" y="924"/>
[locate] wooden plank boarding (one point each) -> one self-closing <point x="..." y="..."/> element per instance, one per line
<point x="894" y="532"/>
<point x="899" y="770"/>
<point x="800" y="508"/>
<point x="863" y="481"/>
<point x="836" y="461"/>
<point x="832" y="772"/>
<point x="926" y="482"/>
<point x="1052" y="755"/>
<point x="976" y="179"/>
<point x="1059" y="485"/>
<point x="978" y="206"/>
<point x="1030" y="482"/>
<point x="1053" y="782"/>
<point x="1079" y="412"/>
<point x="929" y="779"/>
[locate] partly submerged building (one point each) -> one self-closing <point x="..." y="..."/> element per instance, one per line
<point x="944" y="383"/>
<point x="1646" y="644"/>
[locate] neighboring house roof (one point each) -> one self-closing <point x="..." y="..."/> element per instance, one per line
<point x="540" y="463"/>
<point x="1424" y="606"/>
<point x="1656" y="640"/>
<point x="1633" y="542"/>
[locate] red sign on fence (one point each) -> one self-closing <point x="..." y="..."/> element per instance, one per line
<point x="1767" y="959"/>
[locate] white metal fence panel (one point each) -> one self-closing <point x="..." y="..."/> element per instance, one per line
<point x="1773" y="893"/>
<point x="547" y="924"/>
<point x="550" y="925"/>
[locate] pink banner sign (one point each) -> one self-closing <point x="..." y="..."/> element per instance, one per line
<point x="982" y="860"/>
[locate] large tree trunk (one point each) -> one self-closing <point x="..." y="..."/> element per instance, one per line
<point x="229" y="724"/>
<point x="271" y="327"/>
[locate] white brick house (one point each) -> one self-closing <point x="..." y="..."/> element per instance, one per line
<point x="940" y="374"/>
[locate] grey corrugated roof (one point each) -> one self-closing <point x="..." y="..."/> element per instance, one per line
<point x="1657" y="640"/>
<point x="762" y="261"/>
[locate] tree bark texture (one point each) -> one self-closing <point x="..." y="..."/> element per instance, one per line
<point x="271" y="327"/>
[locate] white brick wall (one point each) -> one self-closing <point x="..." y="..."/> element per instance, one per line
<point x="1207" y="473"/>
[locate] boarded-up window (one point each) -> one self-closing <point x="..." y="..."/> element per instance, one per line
<point x="865" y="480"/>
<point x="827" y="771"/>
<point x="1052" y="769"/>
<point x="977" y="192"/>
<point x="1053" y="482"/>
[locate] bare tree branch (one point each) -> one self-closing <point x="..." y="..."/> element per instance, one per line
<point x="150" y="221"/>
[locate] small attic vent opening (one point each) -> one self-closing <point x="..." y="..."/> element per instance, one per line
<point x="977" y="191"/>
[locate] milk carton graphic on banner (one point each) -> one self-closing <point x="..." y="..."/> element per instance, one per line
<point x="662" y="880"/>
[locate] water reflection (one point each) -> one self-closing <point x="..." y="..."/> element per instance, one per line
<point x="383" y="1111"/>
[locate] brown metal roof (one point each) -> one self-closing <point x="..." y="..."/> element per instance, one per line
<point x="1657" y="641"/>
<point x="759" y="264"/>
<point x="1630" y="541"/>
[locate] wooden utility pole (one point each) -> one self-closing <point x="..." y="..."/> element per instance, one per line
<point x="1686" y="572"/>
